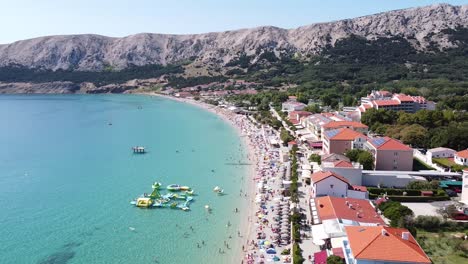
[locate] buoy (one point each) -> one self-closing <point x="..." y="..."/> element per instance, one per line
<point x="207" y="207"/>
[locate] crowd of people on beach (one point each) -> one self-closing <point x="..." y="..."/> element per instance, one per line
<point x="269" y="222"/>
<point x="268" y="232"/>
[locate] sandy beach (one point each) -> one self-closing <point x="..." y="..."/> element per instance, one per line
<point x="259" y="224"/>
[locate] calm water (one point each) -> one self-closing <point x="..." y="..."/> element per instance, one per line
<point x="66" y="179"/>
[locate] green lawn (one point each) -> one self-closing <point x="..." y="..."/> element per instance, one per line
<point x="449" y="164"/>
<point x="446" y="162"/>
<point x="443" y="248"/>
<point x="419" y="165"/>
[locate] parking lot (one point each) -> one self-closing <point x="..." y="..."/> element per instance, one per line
<point x="427" y="208"/>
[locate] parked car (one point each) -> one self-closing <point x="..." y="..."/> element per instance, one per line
<point x="451" y="193"/>
<point x="460" y="216"/>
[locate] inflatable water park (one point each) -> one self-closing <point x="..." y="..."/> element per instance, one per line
<point x="177" y="197"/>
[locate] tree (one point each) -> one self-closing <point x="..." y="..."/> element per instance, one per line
<point x="366" y="160"/>
<point x="315" y="158"/>
<point x="348" y="100"/>
<point x="415" y="135"/>
<point x="334" y="260"/>
<point x="302" y="98"/>
<point x="353" y="154"/>
<point x="422" y="185"/>
<point x="363" y="157"/>
<point x="285" y="136"/>
<point x="313" y="108"/>
<point x="427" y="222"/>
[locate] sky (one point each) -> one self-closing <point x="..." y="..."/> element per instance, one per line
<point x="23" y="19"/>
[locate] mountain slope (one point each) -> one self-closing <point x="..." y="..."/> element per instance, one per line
<point x="421" y="26"/>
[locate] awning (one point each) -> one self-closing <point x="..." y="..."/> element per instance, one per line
<point x="318" y="232"/>
<point x="333" y="228"/>
<point x="338" y="252"/>
<point x="320" y="257"/>
<point x="316" y="144"/>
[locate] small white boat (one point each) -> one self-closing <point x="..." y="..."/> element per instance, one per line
<point x="218" y="190"/>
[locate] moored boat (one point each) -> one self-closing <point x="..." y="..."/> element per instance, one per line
<point x="177" y="187"/>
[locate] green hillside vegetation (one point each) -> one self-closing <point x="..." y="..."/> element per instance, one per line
<point x="423" y="129"/>
<point x="20" y="74"/>
<point x="355" y="66"/>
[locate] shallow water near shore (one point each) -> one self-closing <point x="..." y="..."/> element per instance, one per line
<point x="67" y="177"/>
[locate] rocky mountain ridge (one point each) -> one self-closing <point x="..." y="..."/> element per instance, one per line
<point x="422" y="26"/>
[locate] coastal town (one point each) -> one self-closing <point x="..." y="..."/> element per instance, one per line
<point x="327" y="189"/>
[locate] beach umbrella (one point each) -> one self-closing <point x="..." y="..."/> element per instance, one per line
<point x="267" y="243"/>
<point x="275" y="258"/>
<point x="271" y="251"/>
<point x="319" y="242"/>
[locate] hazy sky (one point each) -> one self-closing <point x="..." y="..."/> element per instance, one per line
<point x="22" y="19"/>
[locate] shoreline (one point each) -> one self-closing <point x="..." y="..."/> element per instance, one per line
<point x="246" y="226"/>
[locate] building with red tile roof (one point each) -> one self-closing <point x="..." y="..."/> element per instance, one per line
<point x="295" y="116"/>
<point x="404" y="98"/>
<point x="379" y="245"/>
<point x="292" y="105"/>
<point x="350" y="210"/>
<point x="342" y="164"/>
<point x="333" y="184"/>
<point x="314" y="123"/>
<point x="396" y="102"/>
<point x="461" y="157"/>
<point x="345" y="124"/>
<point x="341" y="140"/>
<point x="390" y="154"/>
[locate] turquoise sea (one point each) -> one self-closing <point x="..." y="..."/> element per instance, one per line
<point x="67" y="177"/>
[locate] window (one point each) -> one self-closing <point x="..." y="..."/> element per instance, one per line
<point x="395" y="154"/>
<point x="331" y="186"/>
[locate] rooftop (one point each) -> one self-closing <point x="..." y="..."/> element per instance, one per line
<point x="357" y="210"/>
<point x="380" y="243"/>
<point x="439" y="149"/>
<point x="387" y="143"/>
<point x="334" y="157"/>
<point x="359" y="188"/>
<point x="342" y="134"/>
<point x="338" y="124"/>
<point x="321" y="175"/>
<point x="342" y="164"/>
<point x="463" y="154"/>
<point x="385" y="102"/>
<point x="404" y="98"/>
